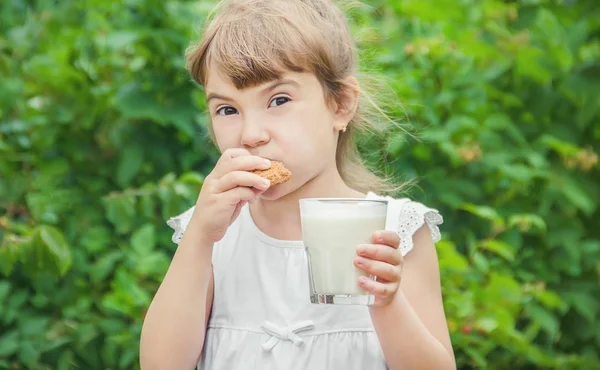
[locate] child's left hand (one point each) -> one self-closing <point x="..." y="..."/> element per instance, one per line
<point x="383" y="260"/>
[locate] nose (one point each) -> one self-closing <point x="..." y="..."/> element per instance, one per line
<point x="254" y="133"/>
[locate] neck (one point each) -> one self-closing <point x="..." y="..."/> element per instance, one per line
<point x="280" y="218"/>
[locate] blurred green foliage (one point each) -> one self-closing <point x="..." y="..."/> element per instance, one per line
<point x="102" y="138"/>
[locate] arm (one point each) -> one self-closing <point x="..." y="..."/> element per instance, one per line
<point x="175" y="324"/>
<point x="412" y="329"/>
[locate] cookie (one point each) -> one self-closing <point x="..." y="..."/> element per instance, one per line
<point x="277" y="173"/>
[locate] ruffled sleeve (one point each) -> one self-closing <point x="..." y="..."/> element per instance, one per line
<point x="413" y="216"/>
<point x="179" y="224"/>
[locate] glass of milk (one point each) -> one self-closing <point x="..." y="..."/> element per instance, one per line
<point x="332" y="229"/>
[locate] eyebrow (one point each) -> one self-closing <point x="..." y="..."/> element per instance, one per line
<point x="272" y="86"/>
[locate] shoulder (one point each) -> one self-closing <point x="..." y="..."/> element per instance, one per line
<point x="411" y="219"/>
<point x="179" y="223"/>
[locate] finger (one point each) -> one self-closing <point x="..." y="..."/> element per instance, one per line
<point x="380" y="269"/>
<point x="230" y="154"/>
<point x="241" y="178"/>
<point x="380" y="252"/>
<point x="377" y="288"/>
<point x="234" y="153"/>
<point x="243" y="163"/>
<point x="386" y="237"/>
<point x="237" y="195"/>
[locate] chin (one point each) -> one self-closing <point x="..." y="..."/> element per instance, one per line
<point x="277" y="192"/>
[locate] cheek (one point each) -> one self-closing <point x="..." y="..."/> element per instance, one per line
<point x="308" y="143"/>
<point x="310" y="121"/>
<point x="226" y="137"/>
<point x="308" y="134"/>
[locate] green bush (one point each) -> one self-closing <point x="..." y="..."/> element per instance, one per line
<point x="102" y="138"/>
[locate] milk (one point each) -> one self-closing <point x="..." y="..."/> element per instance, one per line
<point x="331" y="242"/>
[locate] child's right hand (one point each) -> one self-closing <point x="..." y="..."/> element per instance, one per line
<point x="226" y="190"/>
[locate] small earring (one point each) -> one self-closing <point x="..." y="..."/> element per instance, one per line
<point x="344" y="129"/>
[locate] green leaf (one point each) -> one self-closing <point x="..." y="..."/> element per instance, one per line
<point x="485" y="212"/>
<point x="551" y="300"/>
<point x="147" y="205"/>
<point x="113" y="325"/>
<point x="521" y="173"/>
<point x="130" y="164"/>
<point x="120" y="211"/>
<point x="171" y="203"/>
<point x="40" y="301"/>
<point x="504" y="288"/>
<point x="449" y="258"/>
<point x="17" y="299"/>
<point x="128" y="359"/>
<point x="584" y="304"/>
<point x="34" y="326"/>
<point x="95" y="239"/>
<point x="118" y="40"/>
<point x="481" y="262"/>
<point x="526" y="222"/>
<point x="556" y="38"/>
<point x="505" y="319"/>
<point x="574" y="194"/>
<point x="29" y="355"/>
<point x="563" y="147"/>
<point x="66" y="360"/>
<point x="86" y="332"/>
<point x="4" y="290"/>
<point x="9" y="344"/>
<point x="590" y="109"/>
<point x="8" y="258"/>
<point x="105" y="266"/>
<point x="477" y="358"/>
<point x="547" y="321"/>
<point x="154" y="264"/>
<point x="528" y="65"/>
<point x="500" y="248"/>
<point x="57" y="246"/>
<point x="143" y="240"/>
<point x="488" y="324"/>
<point x="193" y="178"/>
<point x="502" y="122"/>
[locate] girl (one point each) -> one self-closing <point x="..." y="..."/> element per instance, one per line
<point x="279" y="82"/>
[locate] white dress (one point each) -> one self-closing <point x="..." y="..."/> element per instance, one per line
<point x="262" y="317"/>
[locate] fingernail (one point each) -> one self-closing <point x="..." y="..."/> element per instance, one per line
<point x="267" y="163"/>
<point x="378" y="235"/>
<point x="361" y="249"/>
<point x="266" y="182"/>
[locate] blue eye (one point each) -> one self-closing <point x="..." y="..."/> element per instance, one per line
<point x="280" y="100"/>
<point x="226" y="111"/>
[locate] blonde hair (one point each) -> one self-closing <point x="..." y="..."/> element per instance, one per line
<point x="255" y="41"/>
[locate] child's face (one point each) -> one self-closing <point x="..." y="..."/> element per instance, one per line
<point x="286" y="120"/>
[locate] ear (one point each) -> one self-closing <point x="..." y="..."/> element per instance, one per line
<point x="346" y="103"/>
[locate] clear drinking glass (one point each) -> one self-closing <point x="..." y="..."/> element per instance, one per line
<point x="332" y="229"/>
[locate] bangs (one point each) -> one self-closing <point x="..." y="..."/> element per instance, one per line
<point x="250" y="57"/>
<point x="254" y="44"/>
